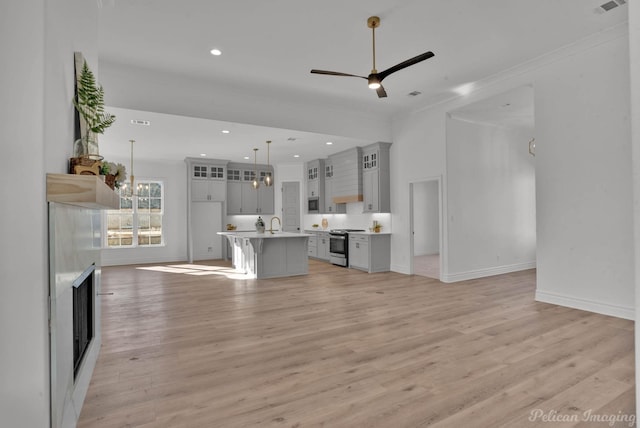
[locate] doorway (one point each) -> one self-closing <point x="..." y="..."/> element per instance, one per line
<point x="426" y="228"/>
<point x="291" y="206"/>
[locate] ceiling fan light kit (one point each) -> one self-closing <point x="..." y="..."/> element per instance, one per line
<point x="374" y="78"/>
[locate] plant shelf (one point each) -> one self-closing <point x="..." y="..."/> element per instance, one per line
<point x="87" y="191"/>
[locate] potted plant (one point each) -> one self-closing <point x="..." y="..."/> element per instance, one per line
<point x="114" y="174"/>
<point x="89" y="103"/>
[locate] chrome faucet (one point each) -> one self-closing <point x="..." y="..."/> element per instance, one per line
<point x="271" y="223"/>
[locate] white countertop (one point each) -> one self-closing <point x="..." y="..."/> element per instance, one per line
<point x="369" y="233"/>
<point x="366" y="232"/>
<point x="265" y="235"/>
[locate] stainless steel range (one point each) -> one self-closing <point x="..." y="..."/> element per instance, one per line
<point x="339" y="246"/>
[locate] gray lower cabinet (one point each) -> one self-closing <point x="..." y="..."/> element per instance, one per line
<point x="323" y="245"/>
<point x="370" y="252"/>
<point x="312" y="246"/>
<point x="318" y="245"/>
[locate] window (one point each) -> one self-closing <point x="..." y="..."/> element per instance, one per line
<point x="138" y="222"/>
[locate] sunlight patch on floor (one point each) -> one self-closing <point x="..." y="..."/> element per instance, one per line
<point x="198" y="270"/>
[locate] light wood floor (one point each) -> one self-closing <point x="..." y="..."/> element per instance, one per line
<point x="428" y="266"/>
<point x="342" y="348"/>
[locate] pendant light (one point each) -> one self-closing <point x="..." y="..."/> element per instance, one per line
<point x="268" y="178"/>
<point x="131" y="179"/>
<point x="130" y="191"/>
<point x="256" y="182"/>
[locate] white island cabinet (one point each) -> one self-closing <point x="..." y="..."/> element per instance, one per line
<point x="266" y="255"/>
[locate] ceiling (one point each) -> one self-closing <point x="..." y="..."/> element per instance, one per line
<point x="171" y="137"/>
<point x="269" y="48"/>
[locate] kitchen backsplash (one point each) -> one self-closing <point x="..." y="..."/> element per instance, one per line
<point x="353" y="219"/>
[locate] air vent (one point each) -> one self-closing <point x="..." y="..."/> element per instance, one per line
<point x="606" y="7"/>
<point x="291" y="139"/>
<point x="140" y="122"/>
<point x="414" y="93"/>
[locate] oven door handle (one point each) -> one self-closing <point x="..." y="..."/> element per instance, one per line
<point x="337" y="237"/>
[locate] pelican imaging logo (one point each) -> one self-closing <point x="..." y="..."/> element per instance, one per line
<point x="553" y="416"/>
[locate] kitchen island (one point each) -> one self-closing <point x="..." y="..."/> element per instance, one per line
<point x="267" y="255"/>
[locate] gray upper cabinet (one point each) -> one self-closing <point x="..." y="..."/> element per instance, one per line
<point x="331" y="207"/>
<point x="315" y="181"/>
<point x="207" y="181"/>
<point x="376" y="178"/>
<point x="242" y="198"/>
<point x="347" y="176"/>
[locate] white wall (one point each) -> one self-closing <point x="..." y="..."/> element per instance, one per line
<point x="417" y="154"/>
<point x="583" y="180"/>
<point x="24" y="394"/>
<point x="174" y="176"/>
<point x="583" y="171"/>
<point x="491" y="194"/>
<point x="37" y="39"/>
<point x="426" y="218"/>
<point x="634" y="50"/>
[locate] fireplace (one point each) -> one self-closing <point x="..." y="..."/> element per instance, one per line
<point x="75" y="238"/>
<point x="82" y="316"/>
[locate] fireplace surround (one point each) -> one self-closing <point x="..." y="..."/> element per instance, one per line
<point x="75" y="241"/>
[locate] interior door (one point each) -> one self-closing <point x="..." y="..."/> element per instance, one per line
<point x="291" y="206"/>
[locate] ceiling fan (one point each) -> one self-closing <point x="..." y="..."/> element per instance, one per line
<point x="375" y="78"/>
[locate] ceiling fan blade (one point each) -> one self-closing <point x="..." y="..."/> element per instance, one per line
<point x="381" y="92"/>
<point x="405" y="64"/>
<point x="334" y="73"/>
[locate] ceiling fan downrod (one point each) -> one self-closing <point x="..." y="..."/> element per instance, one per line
<point x="373" y="22"/>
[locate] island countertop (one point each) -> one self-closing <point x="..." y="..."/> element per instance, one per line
<point x="267" y="255"/>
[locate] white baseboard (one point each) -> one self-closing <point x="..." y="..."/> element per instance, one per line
<point x="625" y="312"/>
<point x="481" y="273"/>
<point x="400" y="269"/>
<point x="120" y="261"/>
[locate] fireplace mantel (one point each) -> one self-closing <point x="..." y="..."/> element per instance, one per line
<point x="87" y="191"/>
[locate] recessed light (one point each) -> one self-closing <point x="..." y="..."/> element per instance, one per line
<point x="296" y="156"/>
<point x="225" y="131"/>
<point x="329" y="143"/>
<point x="246" y="157"/>
<point x="465" y="89"/>
<point x="216" y="52"/>
<point x="203" y="154"/>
